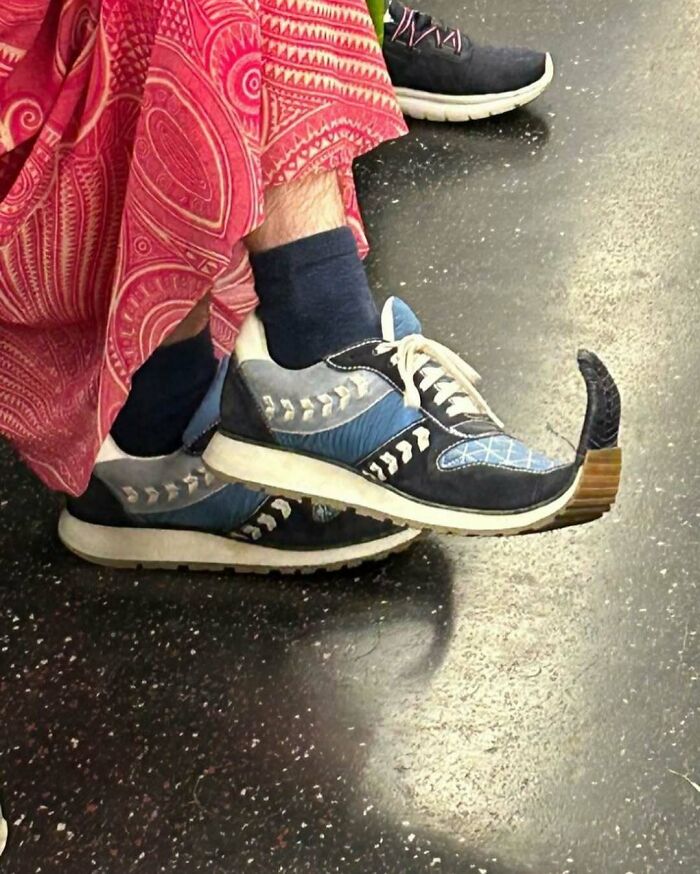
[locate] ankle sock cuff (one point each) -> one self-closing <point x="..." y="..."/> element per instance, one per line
<point x="279" y="262"/>
<point x="166" y="391"/>
<point x="314" y="298"/>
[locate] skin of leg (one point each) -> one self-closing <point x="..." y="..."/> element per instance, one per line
<point x="299" y="209"/>
<point x="292" y="211"/>
<point x="194" y="323"/>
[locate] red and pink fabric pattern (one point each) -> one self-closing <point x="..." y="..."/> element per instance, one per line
<point x="137" y="138"/>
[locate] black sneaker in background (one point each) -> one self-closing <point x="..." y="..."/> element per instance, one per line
<point x="441" y="75"/>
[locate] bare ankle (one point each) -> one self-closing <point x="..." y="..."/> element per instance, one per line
<point x="194" y="323"/>
<point x="299" y="209"/>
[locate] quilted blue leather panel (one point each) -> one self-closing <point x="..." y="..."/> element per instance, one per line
<point x="497" y="451"/>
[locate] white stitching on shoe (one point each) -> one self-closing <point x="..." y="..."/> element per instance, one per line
<point x="392" y="464"/>
<point x="288" y="411"/>
<point x="270" y="406"/>
<point x="268" y="521"/>
<point x="309" y="409"/>
<point x="283" y="507"/>
<point x="406" y="450"/>
<point x="131" y="494"/>
<point x="191" y="482"/>
<point x="422" y="436"/>
<point x="360" y="384"/>
<point x="252" y="531"/>
<point x="377" y="471"/>
<point x="344" y="394"/>
<point x="327" y="405"/>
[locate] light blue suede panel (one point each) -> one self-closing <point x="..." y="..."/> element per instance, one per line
<point x="220" y="513"/>
<point x="354" y="440"/>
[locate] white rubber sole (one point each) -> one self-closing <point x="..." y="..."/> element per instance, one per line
<point x="161" y="548"/>
<point x="3" y="833"/>
<point x="450" y="107"/>
<point x="282" y="472"/>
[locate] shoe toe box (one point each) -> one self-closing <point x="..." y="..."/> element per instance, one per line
<point x="499" y="489"/>
<point x="500" y="473"/>
<point x="497" y="70"/>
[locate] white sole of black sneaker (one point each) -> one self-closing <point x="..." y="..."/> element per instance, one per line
<point x="457" y="108"/>
<point x="196" y="550"/>
<point x="282" y="472"/>
<point x="3" y="833"/>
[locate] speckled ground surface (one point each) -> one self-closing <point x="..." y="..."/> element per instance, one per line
<point x="495" y="706"/>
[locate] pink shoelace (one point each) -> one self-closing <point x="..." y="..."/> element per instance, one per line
<point x="417" y="30"/>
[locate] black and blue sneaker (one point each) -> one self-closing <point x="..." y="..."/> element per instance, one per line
<point x="440" y="74"/>
<point x="170" y="512"/>
<point x="396" y="428"/>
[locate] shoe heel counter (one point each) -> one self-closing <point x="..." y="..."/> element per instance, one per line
<point x="241" y="415"/>
<point x="98" y="505"/>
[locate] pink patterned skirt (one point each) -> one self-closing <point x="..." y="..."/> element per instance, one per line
<point x="136" y="140"/>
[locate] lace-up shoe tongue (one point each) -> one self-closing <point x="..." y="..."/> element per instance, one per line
<point x="430" y="367"/>
<point x="399" y="320"/>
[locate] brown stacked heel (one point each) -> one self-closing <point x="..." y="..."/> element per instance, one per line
<point x="597" y="489"/>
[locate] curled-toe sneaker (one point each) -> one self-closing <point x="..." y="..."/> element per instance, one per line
<point x="170" y="512"/>
<point x="440" y="74"/>
<point x="396" y="428"/>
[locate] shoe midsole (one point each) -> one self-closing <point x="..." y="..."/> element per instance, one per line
<point x="158" y="546"/>
<point x="287" y="472"/>
<point x="433" y="97"/>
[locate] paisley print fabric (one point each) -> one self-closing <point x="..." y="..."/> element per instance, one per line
<point x="137" y="138"/>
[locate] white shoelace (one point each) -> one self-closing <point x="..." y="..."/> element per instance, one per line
<point x="454" y="380"/>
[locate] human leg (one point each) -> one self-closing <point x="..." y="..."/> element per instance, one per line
<point x="122" y="200"/>
<point x="143" y="198"/>
<point x="308" y="274"/>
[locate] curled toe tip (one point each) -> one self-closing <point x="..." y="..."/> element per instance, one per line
<point x="602" y="423"/>
<point x="585" y="356"/>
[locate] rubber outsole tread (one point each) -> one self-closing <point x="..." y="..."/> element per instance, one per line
<point x="244" y="569"/>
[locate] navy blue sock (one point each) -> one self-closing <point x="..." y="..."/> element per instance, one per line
<point x="314" y="297"/>
<point x="165" y="393"/>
